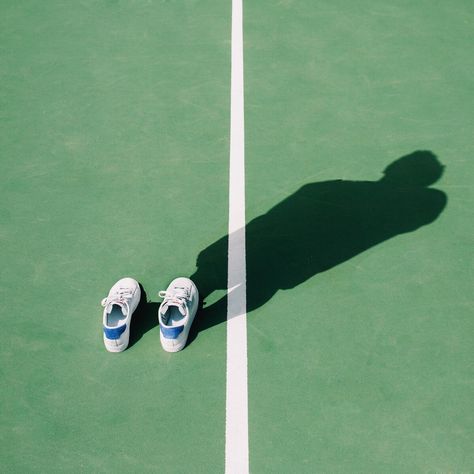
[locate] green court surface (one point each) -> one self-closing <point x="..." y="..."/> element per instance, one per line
<point x="114" y="134"/>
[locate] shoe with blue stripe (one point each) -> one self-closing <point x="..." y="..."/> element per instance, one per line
<point x="176" y="313"/>
<point x="119" y="306"/>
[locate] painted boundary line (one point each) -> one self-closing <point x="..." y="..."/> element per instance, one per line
<point x="236" y="444"/>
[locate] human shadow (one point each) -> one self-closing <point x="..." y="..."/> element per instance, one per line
<point x="322" y="225"/>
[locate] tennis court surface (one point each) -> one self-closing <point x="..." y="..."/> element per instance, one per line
<point x="114" y="134"/>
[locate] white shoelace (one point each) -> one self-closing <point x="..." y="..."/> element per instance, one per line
<point x="178" y="296"/>
<point x="120" y="296"/>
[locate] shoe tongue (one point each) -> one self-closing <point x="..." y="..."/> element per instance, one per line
<point x="111" y="305"/>
<point x="176" y="303"/>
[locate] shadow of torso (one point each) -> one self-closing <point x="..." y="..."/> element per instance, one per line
<point x="318" y="227"/>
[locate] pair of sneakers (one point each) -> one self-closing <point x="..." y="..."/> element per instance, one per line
<point x="175" y="314"/>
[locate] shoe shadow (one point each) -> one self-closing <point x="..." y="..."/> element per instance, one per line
<point x="144" y="319"/>
<point x="321" y="225"/>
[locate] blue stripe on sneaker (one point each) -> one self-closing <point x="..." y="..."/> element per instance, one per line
<point x="171" y="333"/>
<point x="114" y="333"/>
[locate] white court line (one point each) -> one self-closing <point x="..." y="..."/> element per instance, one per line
<point x="236" y="444"/>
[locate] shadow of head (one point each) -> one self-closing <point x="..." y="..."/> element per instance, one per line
<point x="420" y="168"/>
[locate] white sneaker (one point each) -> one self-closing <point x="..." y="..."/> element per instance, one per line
<point x="176" y="313"/>
<point x="119" y="306"/>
